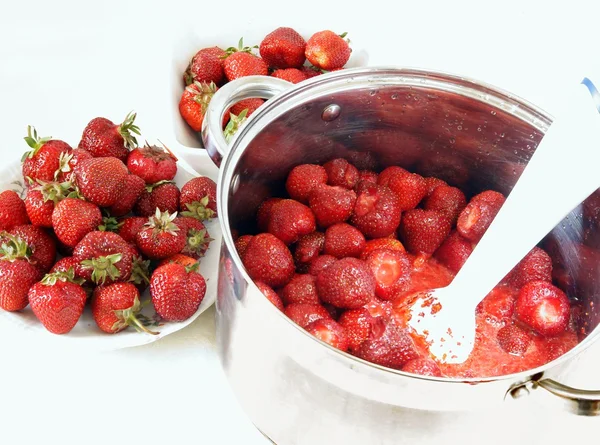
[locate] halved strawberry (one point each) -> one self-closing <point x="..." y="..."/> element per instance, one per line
<point x="343" y="240"/>
<point x="410" y="188"/>
<point x="513" y="339"/>
<point x="304" y="314"/>
<point x="303" y="179"/>
<point x="331" y="205"/>
<point x="543" y="307"/>
<point x="422" y="366"/>
<point x="392" y="270"/>
<point x="449" y="200"/>
<point x="330" y="332"/>
<point x="357" y="323"/>
<point x="347" y="283"/>
<point x="454" y="251"/>
<point x="270" y="294"/>
<point x="537" y="265"/>
<point x="477" y="216"/>
<point x="301" y="289"/>
<point x="341" y="173"/>
<point x="289" y="220"/>
<point x="377" y="210"/>
<point x="423" y="231"/>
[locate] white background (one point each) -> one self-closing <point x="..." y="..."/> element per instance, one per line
<point x="63" y="63"/>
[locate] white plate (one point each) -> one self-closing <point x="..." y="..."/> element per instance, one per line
<point x="86" y="334"/>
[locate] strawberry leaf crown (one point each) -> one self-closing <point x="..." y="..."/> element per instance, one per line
<point x="156" y="152"/>
<point x="69" y="276"/>
<point x="103" y="267"/>
<point x="128" y="129"/>
<point x="235" y="122"/>
<point x="110" y="224"/>
<point x="240" y="49"/>
<point x="150" y="187"/>
<point x="163" y="222"/>
<point x="132" y="317"/>
<point x="203" y="93"/>
<point x="63" y="164"/>
<point x="198" y="240"/>
<point x="13" y="248"/>
<point x="199" y="210"/>
<point x="34" y="142"/>
<point x="140" y="271"/>
<point x="56" y="191"/>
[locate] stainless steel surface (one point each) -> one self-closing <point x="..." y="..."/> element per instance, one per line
<point x="298" y="390"/>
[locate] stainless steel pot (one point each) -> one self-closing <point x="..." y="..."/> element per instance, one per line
<point x="297" y="389"/>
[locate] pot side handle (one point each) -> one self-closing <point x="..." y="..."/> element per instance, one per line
<point x="264" y="87"/>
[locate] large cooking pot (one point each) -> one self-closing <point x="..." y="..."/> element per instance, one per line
<point x="299" y="390"/>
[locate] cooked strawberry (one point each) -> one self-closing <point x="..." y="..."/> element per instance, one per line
<point x="290" y="220"/>
<point x="242" y="243"/>
<point x="194" y="103"/>
<point x="73" y="218"/>
<point x="304" y="314"/>
<point x="392" y="270"/>
<point x="153" y="164"/>
<point x="543" y="307"/>
<point x="311" y="71"/>
<point x="379" y="308"/>
<point x="327" y="50"/>
<point x="199" y="198"/>
<point x="367" y="175"/>
<point x="197" y="237"/>
<point x="240" y="62"/>
<point x="377" y="210"/>
<point x="206" y="66"/>
<point x="357" y="324"/>
<point x="268" y="259"/>
<point x="423" y="231"/>
<point x="42" y="246"/>
<point x="270" y="294"/>
<point x="101" y="180"/>
<point x="385" y="176"/>
<point x="64" y="264"/>
<point x="320" y="263"/>
<point x="263" y="215"/>
<point x="163" y="196"/>
<point x="513" y="339"/>
<point x="477" y="216"/>
<point x="331" y="205"/>
<point x="422" y="366"/>
<point x="69" y="162"/>
<point x="161" y="236"/>
<point x="303" y="179"/>
<point x="129" y="196"/>
<point x="12" y="210"/>
<point x="499" y="304"/>
<point x="178" y="258"/>
<point x="536" y="266"/>
<point x="454" y="251"/>
<point x="177" y="291"/>
<point x="449" y="200"/>
<point x="341" y="173"/>
<point x="410" y="189"/>
<point x="343" y="240"/>
<point x="348" y="283"/>
<point x="292" y="75"/>
<point x="102" y="138"/>
<point x="130" y="227"/>
<point x="283" y="48"/>
<point x="389" y="346"/>
<point x="42" y="162"/>
<point x="103" y="258"/>
<point x="300" y="289"/>
<point x="17" y="274"/>
<point x="381" y="243"/>
<point x="41" y="199"/>
<point x="330" y="332"/>
<point x="433" y="183"/>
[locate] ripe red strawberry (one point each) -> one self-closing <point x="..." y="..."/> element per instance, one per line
<point x="433" y="183"/>
<point x="292" y="75"/>
<point x="381" y="243"/>
<point x="377" y="210"/>
<point x="42" y="246"/>
<point x="330" y="332"/>
<point x="178" y="258"/>
<point x="102" y="138"/>
<point x="348" y="283"/>
<point x="343" y="240"/>
<point x="536" y="266"/>
<point x="422" y="366"/>
<point x="12" y="210"/>
<point x="320" y="263"/>
<point x="303" y="179"/>
<point x="242" y="243"/>
<point x="331" y="205"/>
<point x="164" y="196"/>
<point x="206" y="66"/>
<point x="454" y="251"/>
<point x="283" y="48"/>
<point x="41" y="199"/>
<point x="42" y="162"/>
<point x="101" y="180"/>
<point x="194" y="103"/>
<point x="341" y="173"/>
<point x="449" y="200"/>
<point x="290" y="220"/>
<point x="367" y="175"/>
<point x="477" y="216"/>
<point x="357" y="324"/>
<point x="327" y="50"/>
<point x="311" y="71"/>
<point x="300" y="289"/>
<point x="153" y="164"/>
<point x="385" y="176"/>
<point x="388" y="345"/>
<point x="130" y="227"/>
<point x="103" y="258"/>
<point x="498" y="304"/>
<point x="161" y="237"/>
<point x="304" y="314"/>
<point x="177" y="291"/>
<point x="64" y="264"/>
<point x="513" y="339"/>
<point x="543" y="307"/>
<point x="263" y="215"/>
<point x="197" y="237"/>
<point x="116" y="306"/>
<point x="270" y="294"/>
<point x="240" y="62"/>
<point x="410" y="189"/>
<point x="58" y="301"/>
<point x="241" y="110"/>
<point x="423" y="231"/>
<point x="129" y="196"/>
<point x="199" y="198"/>
<point x="309" y="247"/>
<point x="69" y="162"/>
<point x="73" y="218"/>
<point x="268" y="259"/>
<point x="392" y="271"/>
<point x="17" y="274"/>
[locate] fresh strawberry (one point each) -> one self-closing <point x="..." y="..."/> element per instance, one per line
<point x="449" y="200"/>
<point x="303" y="179"/>
<point x="308" y="248"/>
<point x="341" y="173"/>
<point x="194" y="103"/>
<point x="270" y="294"/>
<point x="40" y="201"/>
<point x="387" y="174"/>
<point x="348" y="283"/>
<point x="513" y="339"/>
<point x="343" y="240"/>
<point x="206" y="66"/>
<point x="178" y="258"/>
<point x="330" y="332"/>
<point x="283" y="48"/>
<point x="543" y="307"/>
<point x="241" y="110"/>
<point x="422" y="366"/>
<point x="17" y="274"/>
<point x="292" y="75"/>
<point x="320" y="263"/>
<point x="130" y="193"/>
<point x="454" y="251"/>
<point x="177" y="291"/>
<point x="367" y="175"/>
<point x="197" y="237"/>
<point x="102" y="258"/>
<point x="69" y="162"/>
<point x="290" y="220"/>
<point x="164" y="196"/>
<point x="42" y="162"/>
<point x="161" y="237"/>
<point x="240" y="62"/>
<point x="423" y="231"/>
<point x="357" y="324"/>
<point x="381" y="243"/>
<point x="327" y="50"/>
<point x="116" y="307"/>
<point x="263" y="215"/>
<point x="42" y="246"/>
<point x="300" y="289"/>
<point x="433" y="183"/>
<point x="498" y="304"/>
<point x="102" y="138"/>
<point x="73" y="218"/>
<point x="388" y="345"/>
<point x="410" y="189"/>
<point x="311" y="71"/>
<point x="153" y="164"/>
<point x="304" y="314"/>
<point x="331" y="205"/>
<point x="64" y="264"/>
<point x="13" y="211"/>
<point x="101" y="180"/>
<point x="392" y="270"/>
<point x="242" y="243"/>
<point x="536" y="266"/>
<point x="377" y="210"/>
<point x="130" y="227"/>
<point x="477" y="216"/>
<point x="199" y="198"/>
<point x="268" y="259"/>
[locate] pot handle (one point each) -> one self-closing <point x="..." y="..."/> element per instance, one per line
<point x="264" y="87"/>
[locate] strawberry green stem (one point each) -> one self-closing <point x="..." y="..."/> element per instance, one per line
<point x="34" y="142"/>
<point x="103" y="267"/>
<point x="132" y="320"/>
<point x="127" y="129"/>
<point x="199" y="210"/>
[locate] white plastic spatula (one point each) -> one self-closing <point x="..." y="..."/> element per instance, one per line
<point x="564" y="170"/>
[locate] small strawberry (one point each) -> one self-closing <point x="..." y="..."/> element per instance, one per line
<point x="348" y="283"/>
<point x="320" y="263"/>
<point x="101" y="180"/>
<point x="130" y="227"/>
<point x="537" y="265"/>
<point x="69" y="162"/>
<point x="242" y="243"/>
<point x="449" y="200"/>
<point x="327" y="50"/>
<point x="377" y="210"/>
<point x="199" y="198"/>
<point x="422" y="366"/>
<point x="41" y="199"/>
<point x="330" y="332"/>
<point x="153" y="164"/>
<point x="543" y="307"/>
<point x="102" y="138"/>
<point x="103" y="258"/>
<point x="304" y="314"/>
<point x="477" y="216"/>
<point x="387" y="174"/>
<point x="423" y="231"/>
<point x="303" y="179"/>
<point x="367" y="175"/>
<point x="164" y="195"/>
<point x="381" y="243"/>
<point x="290" y="220"/>
<point x="177" y="291"/>
<point x="331" y="205"/>
<point x="268" y="259"/>
<point x="341" y="173"/>
<point x="309" y="247"/>
<point x="498" y="304"/>
<point x="73" y="218"/>
<point x="410" y="189"/>
<point x="454" y="251"/>
<point x="206" y="66"/>
<point x="161" y="237"/>
<point x="343" y="240"/>
<point x="17" y="274"/>
<point x="58" y="301"/>
<point x="178" y="258"/>
<point x="357" y="324"/>
<point x="263" y="214"/>
<point x="513" y="340"/>
<point x="240" y="62"/>
<point x="292" y="75"/>
<point x="197" y="237"/>
<point x="130" y="193"/>
<point x="42" y="162"/>
<point x="13" y="211"/>
<point x="389" y="346"/>
<point x="194" y="103"/>
<point x="41" y="246"/>
<point x="270" y="294"/>
<point x="300" y="289"/>
<point x="283" y="48"/>
<point x="392" y="271"/>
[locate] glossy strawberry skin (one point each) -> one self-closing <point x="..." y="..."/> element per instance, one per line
<point x="268" y="259"/>
<point x="377" y="211"/>
<point x="263" y="215"/>
<point x="251" y="105"/>
<point x="454" y="251"/>
<point x="270" y="294"/>
<point x="283" y="48"/>
<point x="242" y="64"/>
<point x="433" y="183"/>
<point x="422" y="366"/>
<point x="157" y="244"/>
<point x="130" y="227"/>
<point x="543" y="307"/>
<point x="423" y="231"/>
<point x="102" y="138"/>
<point x="302" y="180"/>
<point x="128" y="197"/>
<point x="392" y="271"/>
<point x="77" y="156"/>
<point x="304" y="314"/>
<point x="513" y="340"/>
<point x="357" y="323"/>
<point x="64" y="264"/>
<point x="242" y="243"/>
<point x="110" y="298"/>
<point x="320" y="263"/>
<point x="195" y="190"/>
<point x="341" y="173"/>
<point x="206" y="66"/>
<point x="46" y="161"/>
<point x="16" y="277"/>
<point x="292" y="75"/>
<point x="12" y="210"/>
<point x="73" y="218"/>
<point x="331" y="204"/>
<point x="98" y="244"/>
<point x="387" y="174"/>
<point x="165" y="197"/>
<point x="479" y="213"/>
<point x="176" y="293"/>
<point x="38" y="210"/>
<point x="348" y="283"/>
<point x="327" y="50"/>
<point x="536" y="266"/>
<point x="343" y="240"/>
<point x="42" y="245"/>
<point x="309" y="247"/>
<point x="152" y="164"/>
<point x="449" y="200"/>
<point x="410" y="189"/>
<point x="330" y="332"/>
<point x="290" y="220"/>
<point x="301" y="289"/>
<point x="101" y="180"/>
<point x="59" y="306"/>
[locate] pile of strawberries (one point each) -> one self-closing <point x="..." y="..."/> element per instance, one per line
<point x="346" y="250"/>
<point x="110" y="209"/>
<point x="283" y="54"/>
